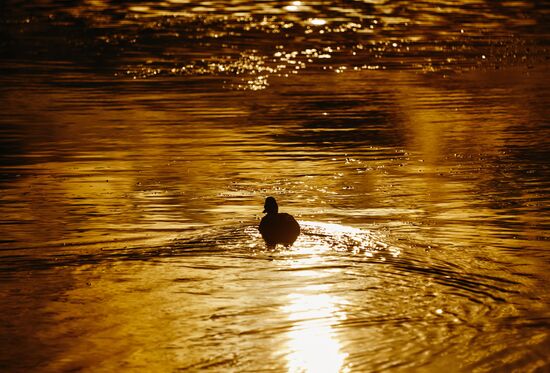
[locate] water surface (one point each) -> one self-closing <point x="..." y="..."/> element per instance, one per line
<point x="138" y="141"/>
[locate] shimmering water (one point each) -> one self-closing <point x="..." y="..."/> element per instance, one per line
<point x="409" y="138"/>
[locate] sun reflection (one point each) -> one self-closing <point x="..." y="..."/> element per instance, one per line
<point x="313" y="345"/>
<point x="323" y="237"/>
<point x="317" y="22"/>
<point x="294" y="6"/>
<point x="313" y="342"/>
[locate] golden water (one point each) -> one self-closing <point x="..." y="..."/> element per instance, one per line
<point x="138" y="142"/>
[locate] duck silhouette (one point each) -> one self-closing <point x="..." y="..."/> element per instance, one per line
<point x="278" y="227"/>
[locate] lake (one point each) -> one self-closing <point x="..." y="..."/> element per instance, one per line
<point x="410" y="139"/>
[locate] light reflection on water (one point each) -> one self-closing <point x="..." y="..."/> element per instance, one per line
<point x="312" y="345"/>
<point x="250" y="44"/>
<point x="133" y="175"/>
<point x="424" y="226"/>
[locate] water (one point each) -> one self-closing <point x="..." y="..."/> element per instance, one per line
<point x="138" y="141"/>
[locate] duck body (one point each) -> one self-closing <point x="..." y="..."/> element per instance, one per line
<point x="278" y="228"/>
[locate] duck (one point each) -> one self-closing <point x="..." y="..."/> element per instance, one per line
<point x="278" y="227"/>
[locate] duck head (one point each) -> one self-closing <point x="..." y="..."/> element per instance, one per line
<point x="270" y="206"/>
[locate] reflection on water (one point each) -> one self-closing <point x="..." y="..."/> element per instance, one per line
<point x="129" y="228"/>
<point x="138" y="141"/>
<point x="249" y="44"/>
<point x="312" y="346"/>
<point x="312" y="310"/>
